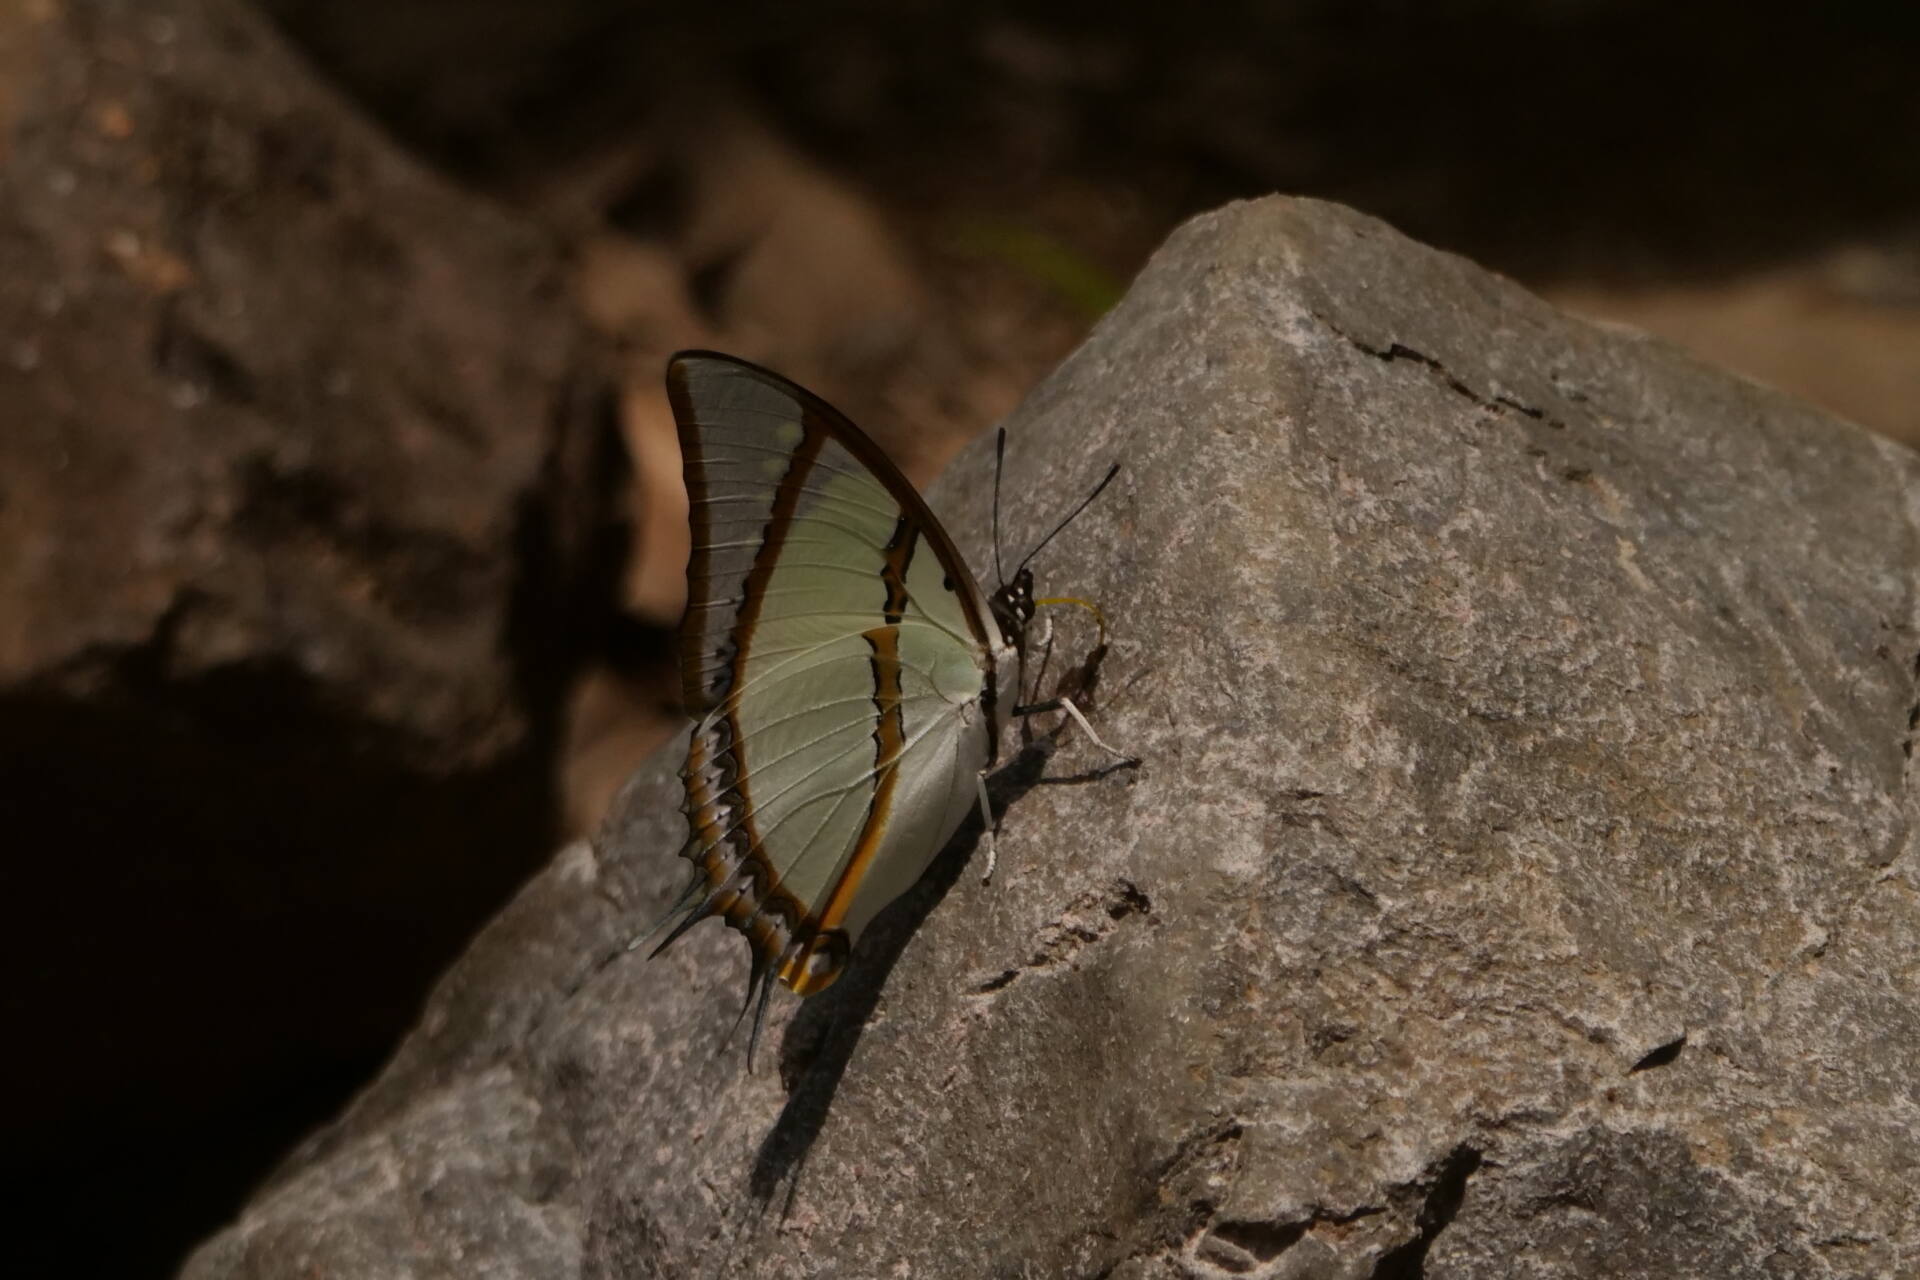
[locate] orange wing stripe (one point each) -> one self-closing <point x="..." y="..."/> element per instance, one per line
<point x="890" y="728"/>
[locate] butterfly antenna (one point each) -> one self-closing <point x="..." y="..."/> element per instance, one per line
<point x="1106" y="480"/>
<point x="999" y="461"/>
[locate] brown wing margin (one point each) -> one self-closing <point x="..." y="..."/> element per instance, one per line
<point x="815" y="416"/>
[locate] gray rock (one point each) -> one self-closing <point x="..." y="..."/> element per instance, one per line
<point x="1520" y="881"/>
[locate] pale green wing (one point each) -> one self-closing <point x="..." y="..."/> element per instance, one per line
<point x="841" y="660"/>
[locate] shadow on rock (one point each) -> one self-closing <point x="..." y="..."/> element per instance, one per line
<point x="820" y="1040"/>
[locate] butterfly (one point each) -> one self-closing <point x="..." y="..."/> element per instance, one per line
<point x="849" y="680"/>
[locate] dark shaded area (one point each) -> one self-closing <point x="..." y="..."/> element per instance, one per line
<point x="1663" y="1056"/>
<point x="1600" y="139"/>
<point x="239" y="896"/>
<point x="1444" y="1196"/>
<point x="1262" y="1241"/>
<point x="202" y="953"/>
<point x="1623" y="140"/>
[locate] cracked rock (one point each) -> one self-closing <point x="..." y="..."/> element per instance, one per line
<point x="1514" y="716"/>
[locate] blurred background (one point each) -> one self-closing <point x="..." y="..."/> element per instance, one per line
<point x="340" y="527"/>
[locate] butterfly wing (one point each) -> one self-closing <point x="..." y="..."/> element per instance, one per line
<point x="841" y="659"/>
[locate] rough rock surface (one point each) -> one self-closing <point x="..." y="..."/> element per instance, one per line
<point x="1521" y="880"/>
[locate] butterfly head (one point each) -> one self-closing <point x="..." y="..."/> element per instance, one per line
<point x="1012" y="605"/>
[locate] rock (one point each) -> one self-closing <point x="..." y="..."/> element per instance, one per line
<point x="296" y="505"/>
<point x="1520" y="880"/>
<point x="278" y="399"/>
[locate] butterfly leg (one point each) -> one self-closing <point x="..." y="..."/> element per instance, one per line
<point x="1066" y="705"/>
<point x="986" y="816"/>
<point x="1044" y="625"/>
